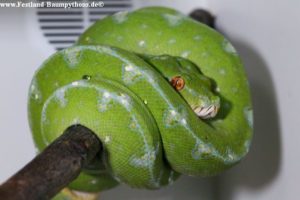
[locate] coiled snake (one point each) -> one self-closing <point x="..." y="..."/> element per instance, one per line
<point x="165" y="94"/>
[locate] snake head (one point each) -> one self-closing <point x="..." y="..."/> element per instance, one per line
<point x="186" y="78"/>
<point x="196" y="89"/>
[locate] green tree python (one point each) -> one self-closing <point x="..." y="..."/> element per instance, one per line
<point x="165" y="94"/>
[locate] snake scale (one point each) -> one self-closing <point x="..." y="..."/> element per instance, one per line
<point x="165" y="94"/>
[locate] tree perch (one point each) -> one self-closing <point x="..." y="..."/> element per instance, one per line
<point x="46" y="174"/>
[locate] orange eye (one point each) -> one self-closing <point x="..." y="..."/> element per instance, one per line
<point x="178" y="83"/>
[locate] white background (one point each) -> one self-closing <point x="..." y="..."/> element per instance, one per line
<point x="266" y="34"/>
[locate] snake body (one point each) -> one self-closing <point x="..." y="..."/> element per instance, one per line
<point x="165" y="94"/>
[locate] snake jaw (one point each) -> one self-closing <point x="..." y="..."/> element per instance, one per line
<point x="206" y="112"/>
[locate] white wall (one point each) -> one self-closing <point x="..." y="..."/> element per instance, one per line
<point x="18" y="60"/>
<point x="266" y="33"/>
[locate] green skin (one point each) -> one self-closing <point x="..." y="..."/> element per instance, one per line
<point x="151" y="133"/>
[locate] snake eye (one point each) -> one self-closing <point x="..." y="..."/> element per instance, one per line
<point x="178" y="83"/>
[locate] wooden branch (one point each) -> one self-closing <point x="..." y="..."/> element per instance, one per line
<point x="204" y="17"/>
<point x="53" y="169"/>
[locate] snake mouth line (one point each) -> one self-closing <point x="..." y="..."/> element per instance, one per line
<point x="206" y="112"/>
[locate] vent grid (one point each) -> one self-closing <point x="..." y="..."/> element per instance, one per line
<point x="62" y="27"/>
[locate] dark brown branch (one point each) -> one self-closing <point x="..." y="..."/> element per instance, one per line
<point x="53" y="169"/>
<point x="204" y="17"/>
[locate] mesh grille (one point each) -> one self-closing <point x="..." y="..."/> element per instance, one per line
<point x="61" y="27"/>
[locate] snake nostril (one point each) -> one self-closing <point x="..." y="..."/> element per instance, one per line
<point x="86" y="77"/>
<point x="178" y="83"/>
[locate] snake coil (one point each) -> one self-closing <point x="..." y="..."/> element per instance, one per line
<point x="116" y="81"/>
